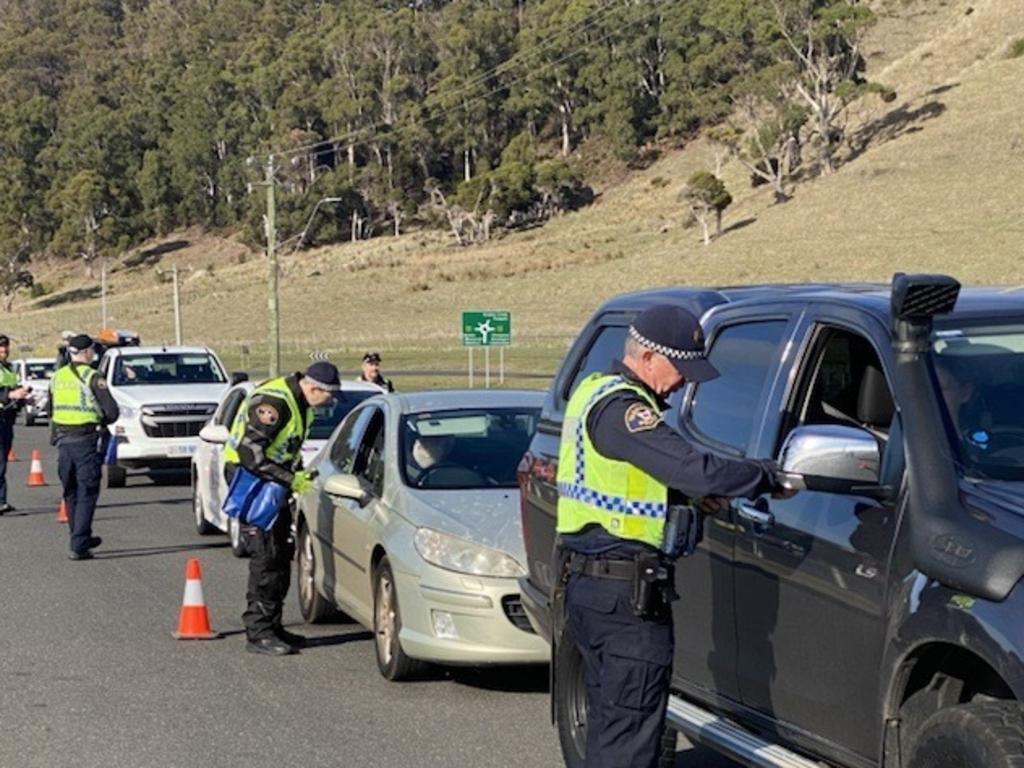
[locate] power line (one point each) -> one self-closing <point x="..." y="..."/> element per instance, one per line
<point x="510" y="63"/>
<point x="348" y="138"/>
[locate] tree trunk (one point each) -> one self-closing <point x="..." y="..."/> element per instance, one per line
<point x="718" y="222"/>
<point x="467" y="167"/>
<point x="566" y="139"/>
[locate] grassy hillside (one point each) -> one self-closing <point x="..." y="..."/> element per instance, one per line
<point x="930" y="182"/>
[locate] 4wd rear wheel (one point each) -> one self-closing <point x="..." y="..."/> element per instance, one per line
<point x="571" y="710"/>
<point x="387" y="625"/>
<point x="570" y="704"/>
<point x="984" y="735"/>
<point x="315" y="609"/>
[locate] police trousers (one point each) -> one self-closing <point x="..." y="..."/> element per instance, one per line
<point x="627" y="670"/>
<point x="6" y="441"/>
<point x="269" y="576"/>
<point x="80" y="468"/>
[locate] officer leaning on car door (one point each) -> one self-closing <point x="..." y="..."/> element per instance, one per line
<point x="266" y="439"/>
<point x="624" y="480"/>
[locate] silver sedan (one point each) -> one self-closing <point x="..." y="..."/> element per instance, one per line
<point x="413" y="528"/>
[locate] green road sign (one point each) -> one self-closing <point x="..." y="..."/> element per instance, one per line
<point x="486" y="329"/>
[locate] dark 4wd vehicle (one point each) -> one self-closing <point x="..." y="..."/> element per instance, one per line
<point x="876" y="618"/>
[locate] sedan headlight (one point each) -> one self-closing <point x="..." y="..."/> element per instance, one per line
<point x="463" y="556"/>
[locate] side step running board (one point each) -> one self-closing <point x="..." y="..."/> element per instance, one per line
<point x="731" y="740"/>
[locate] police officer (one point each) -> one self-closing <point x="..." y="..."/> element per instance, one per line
<point x="82" y="406"/>
<point x="371" y="372"/>
<point x="12" y="399"/>
<point x="266" y="439"/>
<point x="621" y="469"/>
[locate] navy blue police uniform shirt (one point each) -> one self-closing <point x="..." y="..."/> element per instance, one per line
<point x="623" y="426"/>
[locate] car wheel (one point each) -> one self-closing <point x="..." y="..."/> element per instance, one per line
<point x="387" y="625"/>
<point x="237" y="536"/>
<point x="571" y="704"/>
<point x="315" y="609"/>
<point x="117" y="477"/>
<point x="571" y="711"/>
<point x="988" y="734"/>
<point x="203" y="526"/>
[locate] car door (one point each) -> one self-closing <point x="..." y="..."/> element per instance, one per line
<point x="216" y="484"/>
<point x="362" y="456"/>
<point x="811" y="570"/>
<point x="722" y="416"/>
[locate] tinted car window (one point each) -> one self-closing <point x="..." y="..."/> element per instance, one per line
<point x="325" y="419"/>
<point x="343" y="452"/>
<point x="369" y="463"/>
<point x="604" y="349"/>
<point x="724" y="409"/>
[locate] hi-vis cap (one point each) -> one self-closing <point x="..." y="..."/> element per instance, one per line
<point x="675" y="333"/>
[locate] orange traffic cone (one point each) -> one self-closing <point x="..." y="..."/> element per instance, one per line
<point x="194" y="621"/>
<point x="35" y="472"/>
<point x="11" y="455"/>
<point x="62" y="512"/>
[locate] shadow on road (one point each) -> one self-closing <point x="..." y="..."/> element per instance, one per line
<point x="113" y="554"/>
<point x="341" y="639"/>
<point x="522" y="679"/>
<point x="161" y="502"/>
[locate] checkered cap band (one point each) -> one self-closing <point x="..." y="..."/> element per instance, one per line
<point x="669" y="352"/>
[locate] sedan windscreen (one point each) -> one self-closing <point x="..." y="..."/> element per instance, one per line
<point x="167" y="368"/>
<point x="329" y="416"/>
<point x="979" y="371"/>
<point x="465" y="449"/>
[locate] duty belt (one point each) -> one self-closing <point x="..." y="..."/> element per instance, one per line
<point x="602" y="567"/>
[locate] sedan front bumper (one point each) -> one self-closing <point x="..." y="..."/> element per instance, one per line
<point x="458" y="619"/>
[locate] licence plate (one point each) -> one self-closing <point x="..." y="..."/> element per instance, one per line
<point x="181" y="450"/>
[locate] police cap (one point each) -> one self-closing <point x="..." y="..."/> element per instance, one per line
<point x="675" y="333"/>
<point x="324" y="376"/>
<point x="79" y="343"/>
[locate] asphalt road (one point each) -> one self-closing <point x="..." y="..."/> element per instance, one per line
<point x="90" y="675"/>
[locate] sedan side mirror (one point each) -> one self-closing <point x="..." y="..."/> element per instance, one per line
<point x="347" y="487"/>
<point x="214" y="433"/>
<point x="833" y="458"/>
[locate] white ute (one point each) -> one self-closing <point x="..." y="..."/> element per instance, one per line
<point x="166" y="395"/>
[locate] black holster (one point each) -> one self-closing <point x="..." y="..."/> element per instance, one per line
<point x="653" y="585"/>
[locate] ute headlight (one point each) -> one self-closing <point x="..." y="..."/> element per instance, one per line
<point x="463" y="556"/>
<point x="127" y="412"/>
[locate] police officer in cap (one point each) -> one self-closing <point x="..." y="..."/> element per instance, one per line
<point x="81" y="406"/>
<point x="371" y="372"/>
<point x="266" y="439"/>
<point x="12" y="399"/>
<point x="622" y="473"/>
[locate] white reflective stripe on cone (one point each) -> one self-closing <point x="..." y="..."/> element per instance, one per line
<point x="193" y="593"/>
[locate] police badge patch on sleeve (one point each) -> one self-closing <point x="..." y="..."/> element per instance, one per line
<point x="641" y="417"/>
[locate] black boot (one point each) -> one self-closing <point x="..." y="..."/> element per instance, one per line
<point x="271" y="646"/>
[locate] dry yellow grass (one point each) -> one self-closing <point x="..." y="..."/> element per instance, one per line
<point x="936" y="189"/>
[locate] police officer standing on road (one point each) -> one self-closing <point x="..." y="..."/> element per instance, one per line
<point x="622" y="474"/>
<point x="266" y="439"/>
<point x="82" y="406"/>
<point x="371" y="372"/>
<point x="12" y="399"/>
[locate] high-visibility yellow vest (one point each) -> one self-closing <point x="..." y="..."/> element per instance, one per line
<point x="8" y="377"/>
<point x="621" y="498"/>
<point x="73" y="403"/>
<point x="286" y="447"/>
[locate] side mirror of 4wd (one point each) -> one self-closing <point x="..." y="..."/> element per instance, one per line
<point x="834" y="459"/>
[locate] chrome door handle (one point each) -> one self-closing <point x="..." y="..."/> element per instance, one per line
<point x="758" y="517"/>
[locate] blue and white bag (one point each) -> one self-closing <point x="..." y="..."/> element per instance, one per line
<point x="253" y="500"/>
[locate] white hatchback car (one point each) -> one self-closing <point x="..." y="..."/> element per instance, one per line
<point x="413" y="528"/>
<point x="208" y="481"/>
